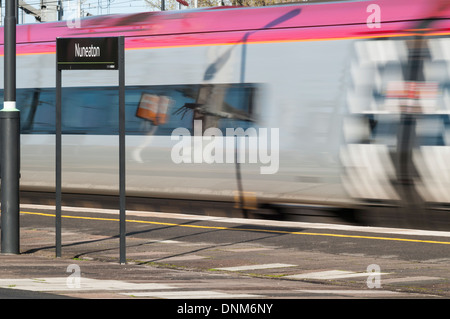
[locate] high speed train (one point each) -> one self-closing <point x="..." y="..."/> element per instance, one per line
<point x="336" y="104"/>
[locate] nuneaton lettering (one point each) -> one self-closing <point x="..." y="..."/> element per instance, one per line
<point x="89" y="52"/>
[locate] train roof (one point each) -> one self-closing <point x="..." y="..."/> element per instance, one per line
<point x="352" y="14"/>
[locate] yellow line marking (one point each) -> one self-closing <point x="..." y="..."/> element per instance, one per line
<point x="245" y="229"/>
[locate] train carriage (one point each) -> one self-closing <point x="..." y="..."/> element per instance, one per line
<point x="309" y="86"/>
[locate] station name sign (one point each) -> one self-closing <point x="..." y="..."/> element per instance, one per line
<point x="87" y="53"/>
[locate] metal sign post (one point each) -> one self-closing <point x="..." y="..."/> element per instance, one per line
<point x="91" y="54"/>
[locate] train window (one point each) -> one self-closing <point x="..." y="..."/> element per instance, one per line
<point x="241" y="99"/>
<point x="37" y="107"/>
<point x="28" y="101"/>
<point x="172" y="98"/>
<point x="27" y="113"/>
<point x="223" y="106"/>
<point x="88" y="110"/>
<point x="94" y="110"/>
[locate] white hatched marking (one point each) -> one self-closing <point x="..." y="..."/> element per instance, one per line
<point x="256" y="267"/>
<point x="333" y="274"/>
<point x="60" y="284"/>
<point x="203" y="294"/>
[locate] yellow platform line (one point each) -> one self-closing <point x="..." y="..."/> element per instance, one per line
<point x="246" y="229"/>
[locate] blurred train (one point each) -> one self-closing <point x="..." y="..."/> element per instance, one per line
<point x="356" y="94"/>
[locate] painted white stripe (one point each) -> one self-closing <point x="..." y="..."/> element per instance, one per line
<point x="350" y="292"/>
<point x="255" y="267"/>
<point x="181" y="258"/>
<point x="9" y="106"/>
<point x="411" y="279"/>
<point x="189" y="295"/>
<point x="272" y="223"/>
<point x="250" y="249"/>
<point x="61" y="284"/>
<point x="332" y="274"/>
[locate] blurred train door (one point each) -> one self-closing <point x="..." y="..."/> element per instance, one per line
<point x="398" y="114"/>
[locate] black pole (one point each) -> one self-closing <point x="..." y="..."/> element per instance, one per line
<point x="58" y="156"/>
<point x="122" y="149"/>
<point x="10" y="140"/>
<point x="10" y="53"/>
